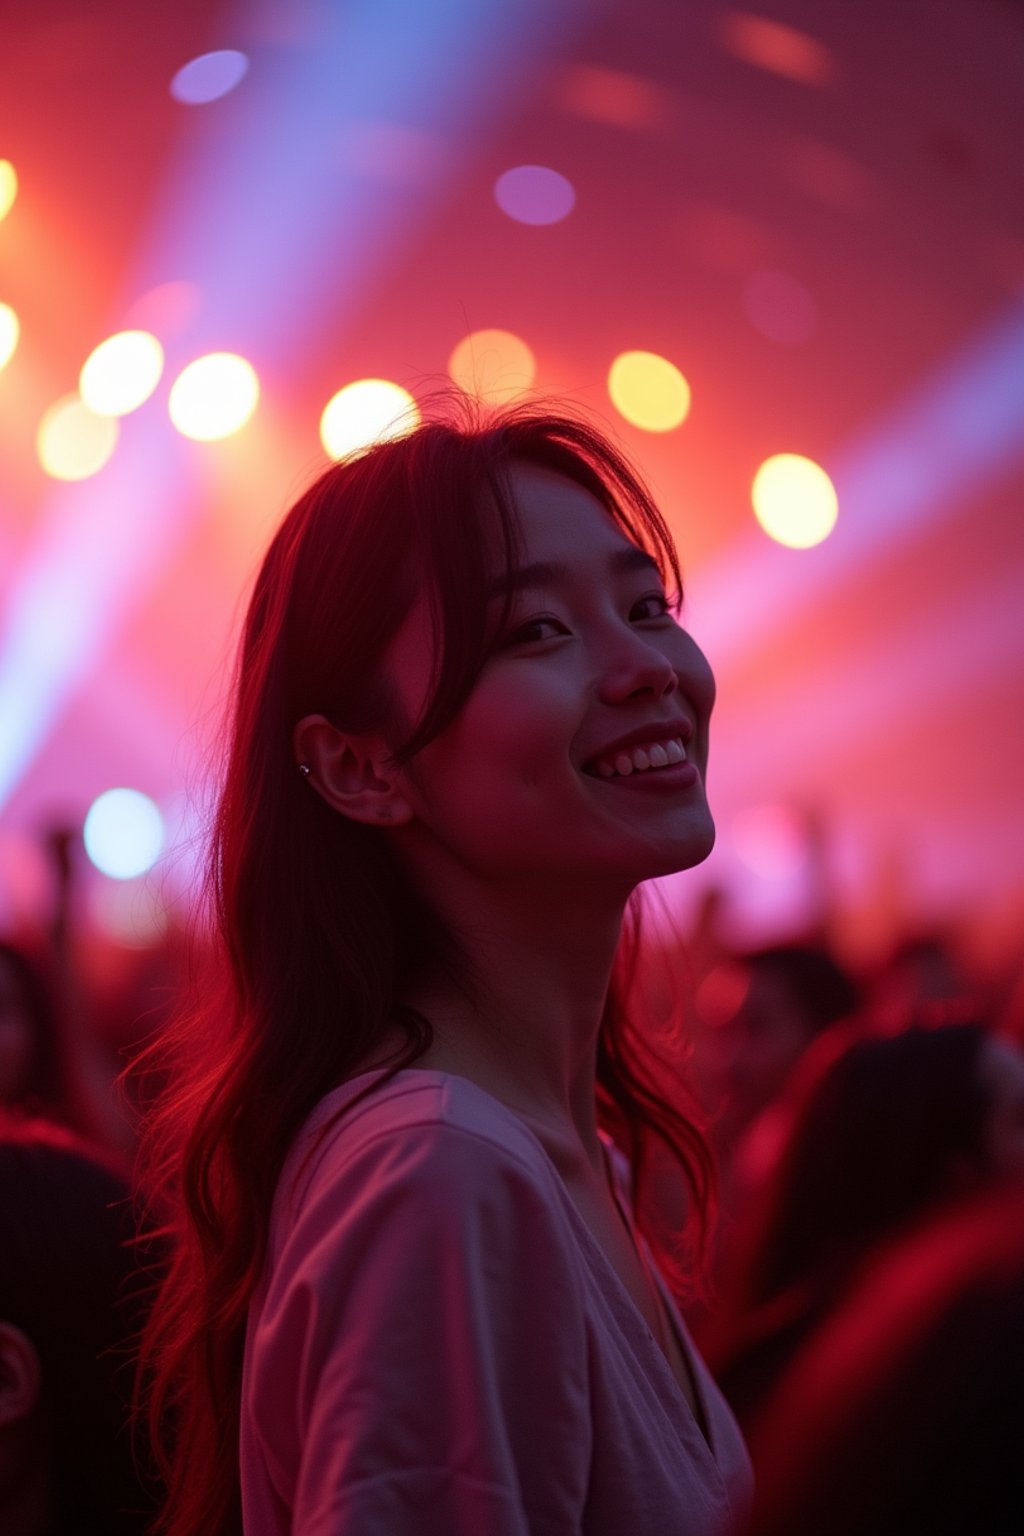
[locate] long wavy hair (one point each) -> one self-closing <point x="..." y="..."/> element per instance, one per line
<point x="318" y="930"/>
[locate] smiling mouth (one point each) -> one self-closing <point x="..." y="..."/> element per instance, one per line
<point x="654" y="758"/>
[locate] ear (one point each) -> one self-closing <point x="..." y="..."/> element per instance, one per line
<point x="21" y="1376"/>
<point x="351" y="771"/>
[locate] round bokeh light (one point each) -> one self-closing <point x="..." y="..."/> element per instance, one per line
<point x="8" y="187"/>
<point x="209" y="76"/>
<point x="214" y="396"/>
<point x="366" y="412"/>
<point x="121" y="373"/>
<point x="649" y="391"/>
<point x="794" y="500"/>
<point x="123" y="833"/>
<point x="534" y="194"/>
<point x="495" y="366"/>
<point x="73" y="442"/>
<point x="10" y="330"/>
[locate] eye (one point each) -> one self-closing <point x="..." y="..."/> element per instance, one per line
<point x="654" y="605"/>
<point x="533" y="631"/>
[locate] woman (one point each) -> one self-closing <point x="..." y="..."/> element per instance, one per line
<point x="409" y="1286"/>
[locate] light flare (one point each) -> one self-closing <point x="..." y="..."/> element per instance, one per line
<point x="214" y="396"/>
<point x="794" y="500"/>
<point x="121" y="373"/>
<point x="365" y="412"/>
<point x="649" y="391"/>
<point x="493" y="365"/>
<point x="8" y="187"/>
<point x="10" y="331"/>
<point x="73" y="442"/>
<point x="123" y="833"/>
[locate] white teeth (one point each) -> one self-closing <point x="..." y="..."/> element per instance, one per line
<point x="641" y="759"/>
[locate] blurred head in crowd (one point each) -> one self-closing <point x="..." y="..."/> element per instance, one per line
<point x="30" y="1065"/>
<point x="883" y="1129"/>
<point x="922" y="969"/>
<point x="71" y="1304"/>
<point x="881" y="1132"/>
<point x="765" y="1007"/>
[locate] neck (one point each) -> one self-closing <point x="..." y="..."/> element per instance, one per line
<point x="524" y="1024"/>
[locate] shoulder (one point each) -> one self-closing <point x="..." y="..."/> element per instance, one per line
<point x="424" y="1177"/>
<point x="426" y="1147"/>
<point x="428" y="1119"/>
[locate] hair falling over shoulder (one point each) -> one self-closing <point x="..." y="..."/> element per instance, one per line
<point x="316" y="933"/>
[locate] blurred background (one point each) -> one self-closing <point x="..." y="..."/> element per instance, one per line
<point x="782" y="244"/>
<point x="778" y="252"/>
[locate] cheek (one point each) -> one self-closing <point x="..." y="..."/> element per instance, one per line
<point x="503" y="759"/>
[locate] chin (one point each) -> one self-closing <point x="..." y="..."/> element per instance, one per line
<point x="694" y="848"/>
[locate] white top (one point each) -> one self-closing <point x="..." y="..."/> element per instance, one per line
<point x="439" y="1346"/>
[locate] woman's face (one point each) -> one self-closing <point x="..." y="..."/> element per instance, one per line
<point x="582" y="749"/>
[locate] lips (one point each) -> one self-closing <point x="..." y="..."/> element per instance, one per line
<point x="649" y="759"/>
<point x="648" y="749"/>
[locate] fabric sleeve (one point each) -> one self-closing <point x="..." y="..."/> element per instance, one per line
<point x="420" y="1361"/>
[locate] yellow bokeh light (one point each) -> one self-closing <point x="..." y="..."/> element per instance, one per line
<point x="121" y="373"/>
<point x="8" y="187"/>
<point x="214" y="396"/>
<point x="10" y="330"/>
<point x="495" y="366"/>
<point x="366" y="412"/>
<point x="73" y="442"/>
<point x="794" y="500"/>
<point x="649" y="391"/>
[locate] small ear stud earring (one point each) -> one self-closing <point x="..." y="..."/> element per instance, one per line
<point x="304" y="769"/>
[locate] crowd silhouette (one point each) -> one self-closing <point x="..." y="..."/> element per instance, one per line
<point x="864" y="1306"/>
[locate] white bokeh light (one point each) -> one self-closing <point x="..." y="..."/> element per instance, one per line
<point x="123" y="833"/>
<point x="365" y="412"/>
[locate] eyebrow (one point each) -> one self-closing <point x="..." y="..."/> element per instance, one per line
<point x="544" y="573"/>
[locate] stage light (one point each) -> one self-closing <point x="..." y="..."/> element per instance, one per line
<point x="534" y="194"/>
<point x="123" y="833"/>
<point x="8" y="187"/>
<point x="73" y="442"/>
<point x="495" y="366"/>
<point x="794" y="500"/>
<point x="214" y="396"/>
<point x="649" y="391"/>
<point x="366" y="412"/>
<point x="121" y="373"/>
<point x="209" y="77"/>
<point x="10" y="330"/>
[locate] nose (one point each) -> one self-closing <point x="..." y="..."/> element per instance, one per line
<point x="637" y="669"/>
<point x="640" y="666"/>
